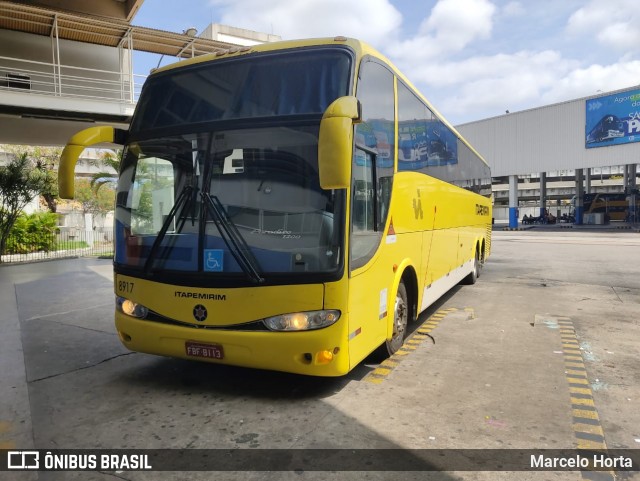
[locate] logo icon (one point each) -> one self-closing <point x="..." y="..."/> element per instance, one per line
<point x="417" y="207"/>
<point x="23" y="460"/>
<point x="200" y="313"/>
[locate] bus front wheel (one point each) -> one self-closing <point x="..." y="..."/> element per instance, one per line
<point x="400" y="321"/>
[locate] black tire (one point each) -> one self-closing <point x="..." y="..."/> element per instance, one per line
<point x="401" y="310"/>
<point x="475" y="273"/>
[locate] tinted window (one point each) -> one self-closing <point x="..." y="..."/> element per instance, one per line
<point x="427" y="145"/>
<point x="373" y="161"/>
<point x="261" y="85"/>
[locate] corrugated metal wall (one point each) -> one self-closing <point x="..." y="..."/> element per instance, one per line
<point x="545" y="139"/>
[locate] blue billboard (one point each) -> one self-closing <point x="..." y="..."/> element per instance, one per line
<point x="613" y="119"/>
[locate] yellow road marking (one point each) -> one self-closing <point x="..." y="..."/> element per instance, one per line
<point x="583" y="413"/>
<point x="586" y="425"/>
<point x="380" y="373"/>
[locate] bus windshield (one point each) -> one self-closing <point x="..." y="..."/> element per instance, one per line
<point x="220" y="177"/>
<point x="240" y="202"/>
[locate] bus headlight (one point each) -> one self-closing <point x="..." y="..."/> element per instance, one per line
<point x="131" y="308"/>
<point x="301" y="321"/>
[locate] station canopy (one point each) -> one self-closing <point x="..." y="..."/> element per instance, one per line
<point x="102" y="31"/>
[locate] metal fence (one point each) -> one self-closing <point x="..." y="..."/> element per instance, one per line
<point x="67" y="243"/>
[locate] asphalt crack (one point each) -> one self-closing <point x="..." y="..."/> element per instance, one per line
<point x="616" y="293"/>
<point x="81" y="368"/>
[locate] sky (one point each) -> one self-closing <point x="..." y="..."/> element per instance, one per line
<point x="472" y="59"/>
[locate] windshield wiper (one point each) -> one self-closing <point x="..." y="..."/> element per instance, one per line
<point x="185" y="198"/>
<point x="232" y="237"/>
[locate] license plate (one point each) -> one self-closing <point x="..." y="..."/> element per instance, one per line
<point x="207" y="351"/>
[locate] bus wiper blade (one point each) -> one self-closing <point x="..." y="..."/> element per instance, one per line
<point x="232" y="238"/>
<point x="184" y="197"/>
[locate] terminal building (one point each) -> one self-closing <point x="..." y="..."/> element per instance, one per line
<point x="66" y="69"/>
<point x="572" y="158"/>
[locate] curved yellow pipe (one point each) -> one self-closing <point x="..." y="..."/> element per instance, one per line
<point x="71" y="153"/>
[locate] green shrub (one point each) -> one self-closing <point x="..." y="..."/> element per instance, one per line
<point x="32" y="233"/>
<point x="70" y="245"/>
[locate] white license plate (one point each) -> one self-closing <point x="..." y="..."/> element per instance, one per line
<point x="206" y="351"/>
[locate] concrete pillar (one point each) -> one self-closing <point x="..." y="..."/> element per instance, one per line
<point x="587" y="182"/>
<point x="543" y="193"/>
<point x="579" y="196"/>
<point x="513" y="201"/>
<point x="633" y="211"/>
<point x="625" y="178"/>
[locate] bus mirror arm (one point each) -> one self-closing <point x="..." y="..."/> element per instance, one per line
<point x="335" y="142"/>
<point x="74" y="148"/>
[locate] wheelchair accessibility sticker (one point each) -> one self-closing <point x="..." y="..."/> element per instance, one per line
<point x="213" y="260"/>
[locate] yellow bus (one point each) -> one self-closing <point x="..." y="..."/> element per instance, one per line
<point x="289" y="206"/>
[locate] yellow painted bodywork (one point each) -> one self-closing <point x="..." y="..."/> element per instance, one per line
<point x="335" y="143"/>
<point x="72" y="151"/>
<point x="280" y="351"/>
<point x="438" y="229"/>
<point x="432" y="246"/>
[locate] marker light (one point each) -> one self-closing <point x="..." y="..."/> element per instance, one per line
<point x="324" y="357"/>
<point x="301" y="321"/>
<point x="130" y="308"/>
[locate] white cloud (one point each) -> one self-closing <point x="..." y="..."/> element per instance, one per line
<point x="374" y="21"/>
<point x="614" y="24"/>
<point x="581" y="82"/>
<point x="622" y="35"/>
<point x="499" y="82"/>
<point x="513" y="9"/>
<point x="453" y="24"/>
<point x="525" y="80"/>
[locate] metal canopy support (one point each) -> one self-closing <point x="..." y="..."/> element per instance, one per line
<point x="55" y="51"/>
<point x="587" y="181"/>
<point x="190" y="45"/>
<point x="126" y="40"/>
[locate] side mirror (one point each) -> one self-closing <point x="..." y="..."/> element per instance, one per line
<point x="73" y="149"/>
<point x="335" y="143"/>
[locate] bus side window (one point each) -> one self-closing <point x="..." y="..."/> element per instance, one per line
<point x="372" y="161"/>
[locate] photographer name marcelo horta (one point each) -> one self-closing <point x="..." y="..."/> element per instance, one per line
<point x="591" y="461"/>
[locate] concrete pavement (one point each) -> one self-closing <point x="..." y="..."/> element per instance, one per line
<point x="496" y="377"/>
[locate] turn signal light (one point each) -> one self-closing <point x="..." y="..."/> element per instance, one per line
<point x="323" y="357"/>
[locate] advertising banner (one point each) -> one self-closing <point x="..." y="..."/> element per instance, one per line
<point x="613" y="119"/>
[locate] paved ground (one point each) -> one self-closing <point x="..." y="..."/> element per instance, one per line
<point x="553" y="325"/>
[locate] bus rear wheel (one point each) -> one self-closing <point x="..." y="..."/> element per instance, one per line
<point x="475" y="273"/>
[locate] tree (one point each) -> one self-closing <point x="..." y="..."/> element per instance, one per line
<point x="44" y="159"/>
<point x="110" y="160"/>
<point x="94" y="200"/>
<point x="20" y="182"/>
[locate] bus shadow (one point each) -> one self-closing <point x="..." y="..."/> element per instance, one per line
<point x="216" y="379"/>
